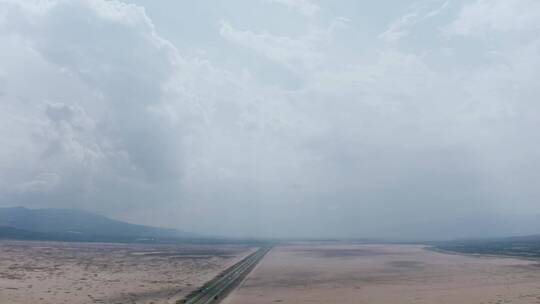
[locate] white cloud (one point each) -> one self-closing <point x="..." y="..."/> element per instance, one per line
<point x="128" y="14"/>
<point x="306" y="7"/>
<point x="484" y="16"/>
<point x="439" y="10"/>
<point x="399" y="28"/>
<point x="402" y="26"/>
<point x="293" y="53"/>
<point x="299" y="54"/>
<point x="98" y="110"/>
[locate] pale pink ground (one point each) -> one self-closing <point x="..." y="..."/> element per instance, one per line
<point x="77" y="273"/>
<point x="386" y="274"/>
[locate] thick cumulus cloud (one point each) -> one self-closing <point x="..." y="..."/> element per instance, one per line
<point x="84" y="83"/>
<point x="317" y="125"/>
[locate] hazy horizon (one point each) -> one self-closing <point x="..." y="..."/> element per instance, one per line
<point x="275" y="118"/>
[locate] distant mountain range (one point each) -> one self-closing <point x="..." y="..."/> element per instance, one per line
<point x="76" y="225"/>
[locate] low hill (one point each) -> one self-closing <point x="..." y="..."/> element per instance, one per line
<point x="72" y="224"/>
<point x="476" y="226"/>
<point x="7" y="232"/>
<point x="520" y="246"/>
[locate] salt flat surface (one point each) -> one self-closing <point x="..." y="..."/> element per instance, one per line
<point x="386" y="274"/>
<point x="76" y="273"/>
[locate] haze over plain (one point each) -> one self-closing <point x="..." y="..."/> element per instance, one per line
<point x="275" y="118"/>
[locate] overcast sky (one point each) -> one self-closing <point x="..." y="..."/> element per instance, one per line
<point x="272" y="117"/>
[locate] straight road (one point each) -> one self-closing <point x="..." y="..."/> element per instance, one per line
<point x="216" y="290"/>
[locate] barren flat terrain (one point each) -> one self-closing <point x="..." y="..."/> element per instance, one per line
<point x="386" y="274"/>
<point x="75" y="273"/>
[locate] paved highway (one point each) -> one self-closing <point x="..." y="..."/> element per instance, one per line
<point x="216" y="290"/>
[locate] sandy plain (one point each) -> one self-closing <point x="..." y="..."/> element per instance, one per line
<point x="386" y="274"/>
<point x="76" y="273"/>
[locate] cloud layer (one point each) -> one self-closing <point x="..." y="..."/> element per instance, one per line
<point x="326" y="123"/>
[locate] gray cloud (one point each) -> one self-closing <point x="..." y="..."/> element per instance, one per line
<point x="261" y="128"/>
